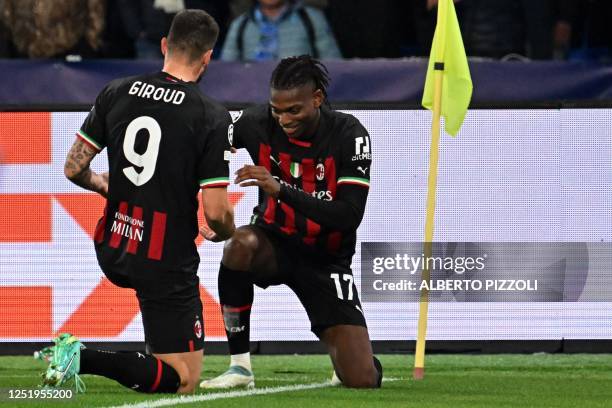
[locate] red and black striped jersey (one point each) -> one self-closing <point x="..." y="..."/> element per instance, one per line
<point x="324" y="178"/>
<point x="165" y="140"/>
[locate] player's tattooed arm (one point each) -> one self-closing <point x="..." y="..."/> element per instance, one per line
<point x="77" y="168"/>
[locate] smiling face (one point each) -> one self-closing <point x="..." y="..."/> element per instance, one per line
<point x="296" y="109"/>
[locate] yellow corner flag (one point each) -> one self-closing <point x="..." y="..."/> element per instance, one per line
<point x="448" y="90"/>
<point x="448" y="55"/>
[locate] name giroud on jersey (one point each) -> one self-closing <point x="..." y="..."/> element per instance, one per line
<point x="148" y="91"/>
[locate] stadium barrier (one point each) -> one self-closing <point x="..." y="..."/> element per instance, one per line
<point x="72" y="83"/>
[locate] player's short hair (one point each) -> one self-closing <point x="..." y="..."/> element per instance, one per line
<point x="293" y="72"/>
<point x="192" y="33"/>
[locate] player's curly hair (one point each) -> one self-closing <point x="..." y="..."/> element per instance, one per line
<point x="293" y="72"/>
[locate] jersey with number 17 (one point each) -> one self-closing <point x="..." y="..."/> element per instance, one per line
<point x="165" y="140"/>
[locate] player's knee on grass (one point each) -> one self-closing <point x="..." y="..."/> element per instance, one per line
<point x="239" y="250"/>
<point x="360" y="378"/>
<point x="351" y="354"/>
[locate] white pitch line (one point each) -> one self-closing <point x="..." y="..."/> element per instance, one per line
<point x="165" y="402"/>
<point x="190" y="399"/>
<point x="17" y="376"/>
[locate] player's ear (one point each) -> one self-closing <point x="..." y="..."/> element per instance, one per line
<point x="317" y="97"/>
<point x="207" y="57"/>
<point x="164" y="46"/>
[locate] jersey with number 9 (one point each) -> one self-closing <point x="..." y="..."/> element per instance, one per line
<point x="165" y="140"/>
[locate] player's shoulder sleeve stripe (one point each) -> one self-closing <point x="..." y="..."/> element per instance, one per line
<point x="354" y="180"/>
<point x="87" y="139"/>
<point x="214" y="182"/>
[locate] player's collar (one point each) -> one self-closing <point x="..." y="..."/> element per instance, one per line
<point x="169" y="77"/>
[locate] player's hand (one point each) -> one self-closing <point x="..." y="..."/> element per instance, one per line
<point x="209" y="234"/>
<point x="258" y="176"/>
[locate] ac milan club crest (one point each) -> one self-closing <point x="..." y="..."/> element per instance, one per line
<point x="197" y="328"/>
<point x="320" y="171"/>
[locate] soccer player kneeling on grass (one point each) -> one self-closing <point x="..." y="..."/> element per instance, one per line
<point x="312" y="167"/>
<point x="165" y="142"/>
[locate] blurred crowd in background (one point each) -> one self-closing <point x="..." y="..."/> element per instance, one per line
<point x="256" y="30"/>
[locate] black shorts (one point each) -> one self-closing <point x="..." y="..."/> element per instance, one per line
<point x="171" y="308"/>
<point x="324" y="285"/>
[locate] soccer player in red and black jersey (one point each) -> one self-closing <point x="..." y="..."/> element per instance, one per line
<point x="312" y="167"/>
<point x="166" y="141"/>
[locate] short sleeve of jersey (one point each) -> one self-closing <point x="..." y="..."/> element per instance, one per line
<point x="234" y="133"/>
<point x="213" y="165"/>
<point x="93" y="130"/>
<point x="356" y="157"/>
<point x="247" y="125"/>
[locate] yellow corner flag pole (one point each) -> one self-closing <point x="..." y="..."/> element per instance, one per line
<point x="447" y="92"/>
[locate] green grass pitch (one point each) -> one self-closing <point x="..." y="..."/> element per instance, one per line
<point x="472" y="381"/>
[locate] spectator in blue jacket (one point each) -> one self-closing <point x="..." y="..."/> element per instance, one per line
<point x="275" y="29"/>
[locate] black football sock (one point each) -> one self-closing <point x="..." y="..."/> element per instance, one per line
<point x="379" y="368"/>
<point x="236" y="298"/>
<point x="138" y="371"/>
